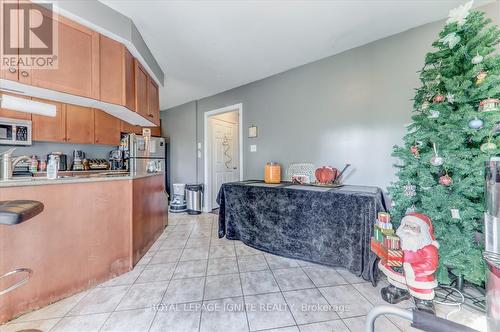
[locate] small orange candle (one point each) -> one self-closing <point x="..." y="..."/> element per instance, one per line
<point x="272" y="173"/>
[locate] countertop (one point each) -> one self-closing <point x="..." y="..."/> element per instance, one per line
<point x="67" y="179"/>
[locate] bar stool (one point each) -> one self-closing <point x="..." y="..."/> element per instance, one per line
<point x="14" y="213"/>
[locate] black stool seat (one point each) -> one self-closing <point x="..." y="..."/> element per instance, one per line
<point x="16" y="212"/>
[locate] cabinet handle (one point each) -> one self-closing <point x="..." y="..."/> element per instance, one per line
<point x="24" y="73"/>
<point x="12" y="70"/>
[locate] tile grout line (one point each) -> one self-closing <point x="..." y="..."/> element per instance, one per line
<point x="205" y="278"/>
<point x="281" y="292"/>
<point x="128" y="289"/>
<point x="241" y="286"/>
<point x="168" y="284"/>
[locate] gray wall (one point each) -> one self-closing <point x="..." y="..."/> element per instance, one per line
<point x="348" y="108"/>
<point x="179" y="125"/>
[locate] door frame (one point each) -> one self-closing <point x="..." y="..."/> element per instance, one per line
<point x="206" y="140"/>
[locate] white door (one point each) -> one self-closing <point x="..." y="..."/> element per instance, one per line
<point x="225" y="155"/>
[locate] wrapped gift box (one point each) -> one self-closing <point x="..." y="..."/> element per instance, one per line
<point x="393" y="257"/>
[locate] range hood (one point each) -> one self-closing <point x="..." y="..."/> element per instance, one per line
<point x="118" y="111"/>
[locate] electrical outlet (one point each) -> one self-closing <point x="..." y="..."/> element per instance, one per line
<point x="253" y="148"/>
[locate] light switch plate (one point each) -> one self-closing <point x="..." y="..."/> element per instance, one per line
<point x="253" y="148"/>
<point x="199" y="145"/>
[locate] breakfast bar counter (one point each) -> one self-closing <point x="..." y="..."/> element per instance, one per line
<point x="91" y="230"/>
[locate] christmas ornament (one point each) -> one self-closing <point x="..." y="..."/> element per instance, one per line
<point x="488" y="105"/>
<point x="411" y="209"/>
<point x="450" y="97"/>
<point x="416" y="279"/>
<point x="476" y="123"/>
<point x="481" y="77"/>
<point x="458" y="15"/>
<point x="439" y="98"/>
<point x="425" y="105"/>
<point x="452" y="39"/>
<point x="445" y="180"/>
<point x="436" y="160"/>
<point x="477" y="59"/>
<point x="433" y="114"/>
<point x="414" y="150"/>
<point x="410" y="190"/>
<point x="495" y="129"/>
<point x="455" y="213"/>
<point x="488" y="147"/>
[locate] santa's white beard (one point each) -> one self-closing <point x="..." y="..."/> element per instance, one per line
<point x="413" y="241"/>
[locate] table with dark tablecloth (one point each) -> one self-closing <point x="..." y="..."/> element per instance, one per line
<point x="321" y="225"/>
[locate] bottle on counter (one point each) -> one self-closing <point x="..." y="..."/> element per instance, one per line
<point x="52" y="168"/>
<point x="33" y="164"/>
<point x="272" y="173"/>
<point x="42" y="165"/>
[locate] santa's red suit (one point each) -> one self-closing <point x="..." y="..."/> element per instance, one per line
<point x="420" y="257"/>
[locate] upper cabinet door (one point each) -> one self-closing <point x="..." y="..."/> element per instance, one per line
<point x="116" y="73"/>
<point x="130" y="128"/>
<point x="141" y="90"/>
<point x="47" y="128"/>
<point x="153" y="102"/>
<point x="8" y="64"/>
<point x="79" y="124"/>
<point x="106" y="128"/>
<point x="77" y="61"/>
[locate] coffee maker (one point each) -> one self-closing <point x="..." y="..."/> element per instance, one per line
<point x="78" y="157"/>
<point x="117" y="160"/>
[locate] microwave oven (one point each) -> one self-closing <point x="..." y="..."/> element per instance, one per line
<point x="15" y="132"/>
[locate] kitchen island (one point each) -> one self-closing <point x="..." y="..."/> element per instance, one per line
<point x="92" y="229"/>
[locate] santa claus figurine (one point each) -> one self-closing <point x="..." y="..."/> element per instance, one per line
<point x="420" y="261"/>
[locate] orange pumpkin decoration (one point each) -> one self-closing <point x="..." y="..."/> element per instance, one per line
<point x="326" y="174"/>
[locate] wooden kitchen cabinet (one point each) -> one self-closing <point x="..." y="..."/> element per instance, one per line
<point x="6" y="113"/>
<point x="141" y="90"/>
<point x="117" y="84"/>
<point x="129" y="128"/>
<point x="77" y="70"/>
<point x="10" y="70"/>
<point x="79" y="124"/>
<point x="106" y="128"/>
<point x="155" y="131"/>
<point x="47" y="128"/>
<point x="153" y="102"/>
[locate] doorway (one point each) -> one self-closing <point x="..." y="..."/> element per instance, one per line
<point x="223" y="152"/>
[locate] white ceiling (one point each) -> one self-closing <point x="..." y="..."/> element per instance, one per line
<point x="206" y="47"/>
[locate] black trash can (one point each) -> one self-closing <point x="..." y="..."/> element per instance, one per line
<point x="194" y="198"/>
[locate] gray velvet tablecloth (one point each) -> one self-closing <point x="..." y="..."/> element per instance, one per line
<point x="330" y="227"/>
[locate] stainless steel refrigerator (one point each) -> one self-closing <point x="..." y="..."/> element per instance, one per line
<point x="146" y="154"/>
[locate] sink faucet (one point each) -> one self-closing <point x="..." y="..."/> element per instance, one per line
<point x="7" y="163"/>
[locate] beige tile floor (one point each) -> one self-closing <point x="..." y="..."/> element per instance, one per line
<point x="190" y="280"/>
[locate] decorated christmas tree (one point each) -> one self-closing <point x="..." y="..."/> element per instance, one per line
<point x="455" y="128"/>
